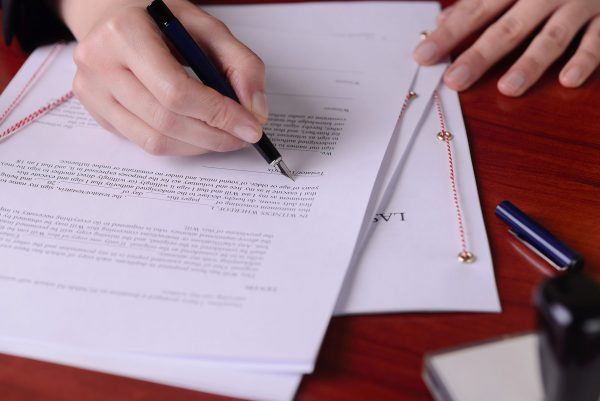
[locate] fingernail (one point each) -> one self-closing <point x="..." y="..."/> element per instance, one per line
<point x="512" y="82"/>
<point x="259" y="105"/>
<point x="459" y="76"/>
<point x="247" y="133"/>
<point x="572" y="76"/>
<point x="425" y="52"/>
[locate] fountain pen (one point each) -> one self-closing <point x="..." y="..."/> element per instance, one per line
<point x="210" y="76"/>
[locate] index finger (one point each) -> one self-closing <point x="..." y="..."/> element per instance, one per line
<point x="466" y="17"/>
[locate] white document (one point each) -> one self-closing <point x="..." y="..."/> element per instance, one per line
<point x="425" y="81"/>
<point x="170" y="371"/>
<point x="374" y="284"/>
<point x="398" y="23"/>
<point x="214" y="257"/>
<point x="378" y="22"/>
<point x="410" y="259"/>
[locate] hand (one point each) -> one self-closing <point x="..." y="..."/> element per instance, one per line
<point x="130" y="82"/>
<point x="564" y="19"/>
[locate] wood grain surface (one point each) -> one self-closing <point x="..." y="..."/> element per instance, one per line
<point x="541" y="151"/>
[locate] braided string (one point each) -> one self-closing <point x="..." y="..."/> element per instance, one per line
<point x="35" y="115"/>
<point x="444" y="135"/>
<point x="28" y="85"/>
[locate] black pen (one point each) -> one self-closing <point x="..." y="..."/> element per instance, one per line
<point x="208" y="73"/>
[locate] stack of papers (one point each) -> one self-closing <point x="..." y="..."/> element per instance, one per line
<point x="213" y="273"/>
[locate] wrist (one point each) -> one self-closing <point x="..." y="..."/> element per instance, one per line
<point x="81" y="16"/>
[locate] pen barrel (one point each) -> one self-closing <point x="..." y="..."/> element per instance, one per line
<point x="266" y="149"/>
<point x="202" y="66"/>
<point x="538" y="237"/>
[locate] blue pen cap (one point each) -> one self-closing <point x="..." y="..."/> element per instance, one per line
<point x="538" y="238"/>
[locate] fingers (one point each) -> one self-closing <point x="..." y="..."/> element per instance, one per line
<point x="244" y="69"/>
<point x="466" y="17"/>
<point x="108" y="109"/>
<point x="158" y="70"/>
<point x="142" y="50"/>
<point x="499" y="39"/>
<point x="132" y="95"/>
<point x="585" y="60"/>
<point x="547" y="46"/>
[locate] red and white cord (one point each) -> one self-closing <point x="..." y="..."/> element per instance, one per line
<point x="35" y="115"/>
<point x="28" y="85"/>
<point x="407" y="99"/>
<point x="444" y="135"/>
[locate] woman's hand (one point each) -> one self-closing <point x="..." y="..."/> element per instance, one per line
<point x="564" y="19"/>
<point x="131" y="84"/>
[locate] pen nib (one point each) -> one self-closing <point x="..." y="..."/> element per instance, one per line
<point x="283" y="169"/>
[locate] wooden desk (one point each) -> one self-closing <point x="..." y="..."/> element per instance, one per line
<point x="541" y="151"/>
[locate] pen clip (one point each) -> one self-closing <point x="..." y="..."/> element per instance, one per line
<point x="537" y="252"/>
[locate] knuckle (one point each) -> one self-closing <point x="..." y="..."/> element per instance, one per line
<point x="215" y="25"/>
<point x="443" y="35"/>
<point x="532" y="65"/>
<point x="557" y="36"/>
<point x="174" y="93"/>
<point x="78" y="86"/>
<point x="83" y="55"/>
<point x="592" y="58"/>
<point x="473" y="9"/>
<point x="250" y="58"/>
<point x="477" y="57"/>
<point x="122" y="22"/>
<point x="221" y="144"/>
<point x="164" y="120"/>
<point x="509" y="29"/>
<point x="219" y="112"/>
<point x="117" y="24"/>
<point x="155" y="144"/>
<point x="247" y="62"/>
<point x="261" y="65"/>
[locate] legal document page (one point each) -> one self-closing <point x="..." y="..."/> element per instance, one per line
<point x="214" y="257"/>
